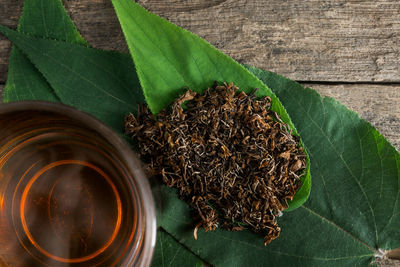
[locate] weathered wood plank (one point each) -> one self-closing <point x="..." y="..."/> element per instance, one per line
<point x="10" y="11"/>
<point x="314" y="40"/>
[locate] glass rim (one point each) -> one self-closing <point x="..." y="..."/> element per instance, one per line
<point x="130" y="159"/>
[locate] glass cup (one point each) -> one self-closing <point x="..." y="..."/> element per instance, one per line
<point x="72" y="192"/>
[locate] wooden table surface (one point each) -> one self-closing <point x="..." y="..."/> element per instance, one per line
<point x="347" y="49"/>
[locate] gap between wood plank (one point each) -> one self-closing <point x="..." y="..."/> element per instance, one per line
<point x="2" y="83"/>
<point x="349" y="83"/>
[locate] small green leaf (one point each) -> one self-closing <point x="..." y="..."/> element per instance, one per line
<point x="170" y="253"/>
<point x="169" y="58"/>
<point x="47" y="19"/>
<point x="78" y="73"/>
<point x="25" y="82"/>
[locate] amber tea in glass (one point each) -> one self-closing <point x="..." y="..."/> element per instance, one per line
<point x="71" y="191"/>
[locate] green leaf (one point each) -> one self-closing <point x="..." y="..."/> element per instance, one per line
<point x="353" y="211"/>
<point x="47" y="19"/>
<point x="358" y="169"/>
<point x="170" y="253"/>
<point x="169" y="58"/>
<point x="78" y="74"/>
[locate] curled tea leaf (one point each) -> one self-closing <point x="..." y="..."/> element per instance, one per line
<point x="230" y="157"/>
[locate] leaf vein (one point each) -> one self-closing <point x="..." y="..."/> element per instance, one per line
<point x="83" y="78"/>
<point x="155" y="45"/>
<point x="338" y="227"/>
<point x="342" y="159"/>
<point x="291" y="255"/>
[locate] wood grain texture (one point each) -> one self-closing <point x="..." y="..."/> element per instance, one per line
<point x="313" y="40"/>
<point x="10" y="11"/>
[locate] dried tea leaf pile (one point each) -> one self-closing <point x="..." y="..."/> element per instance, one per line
<point x="231" y="157"/>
